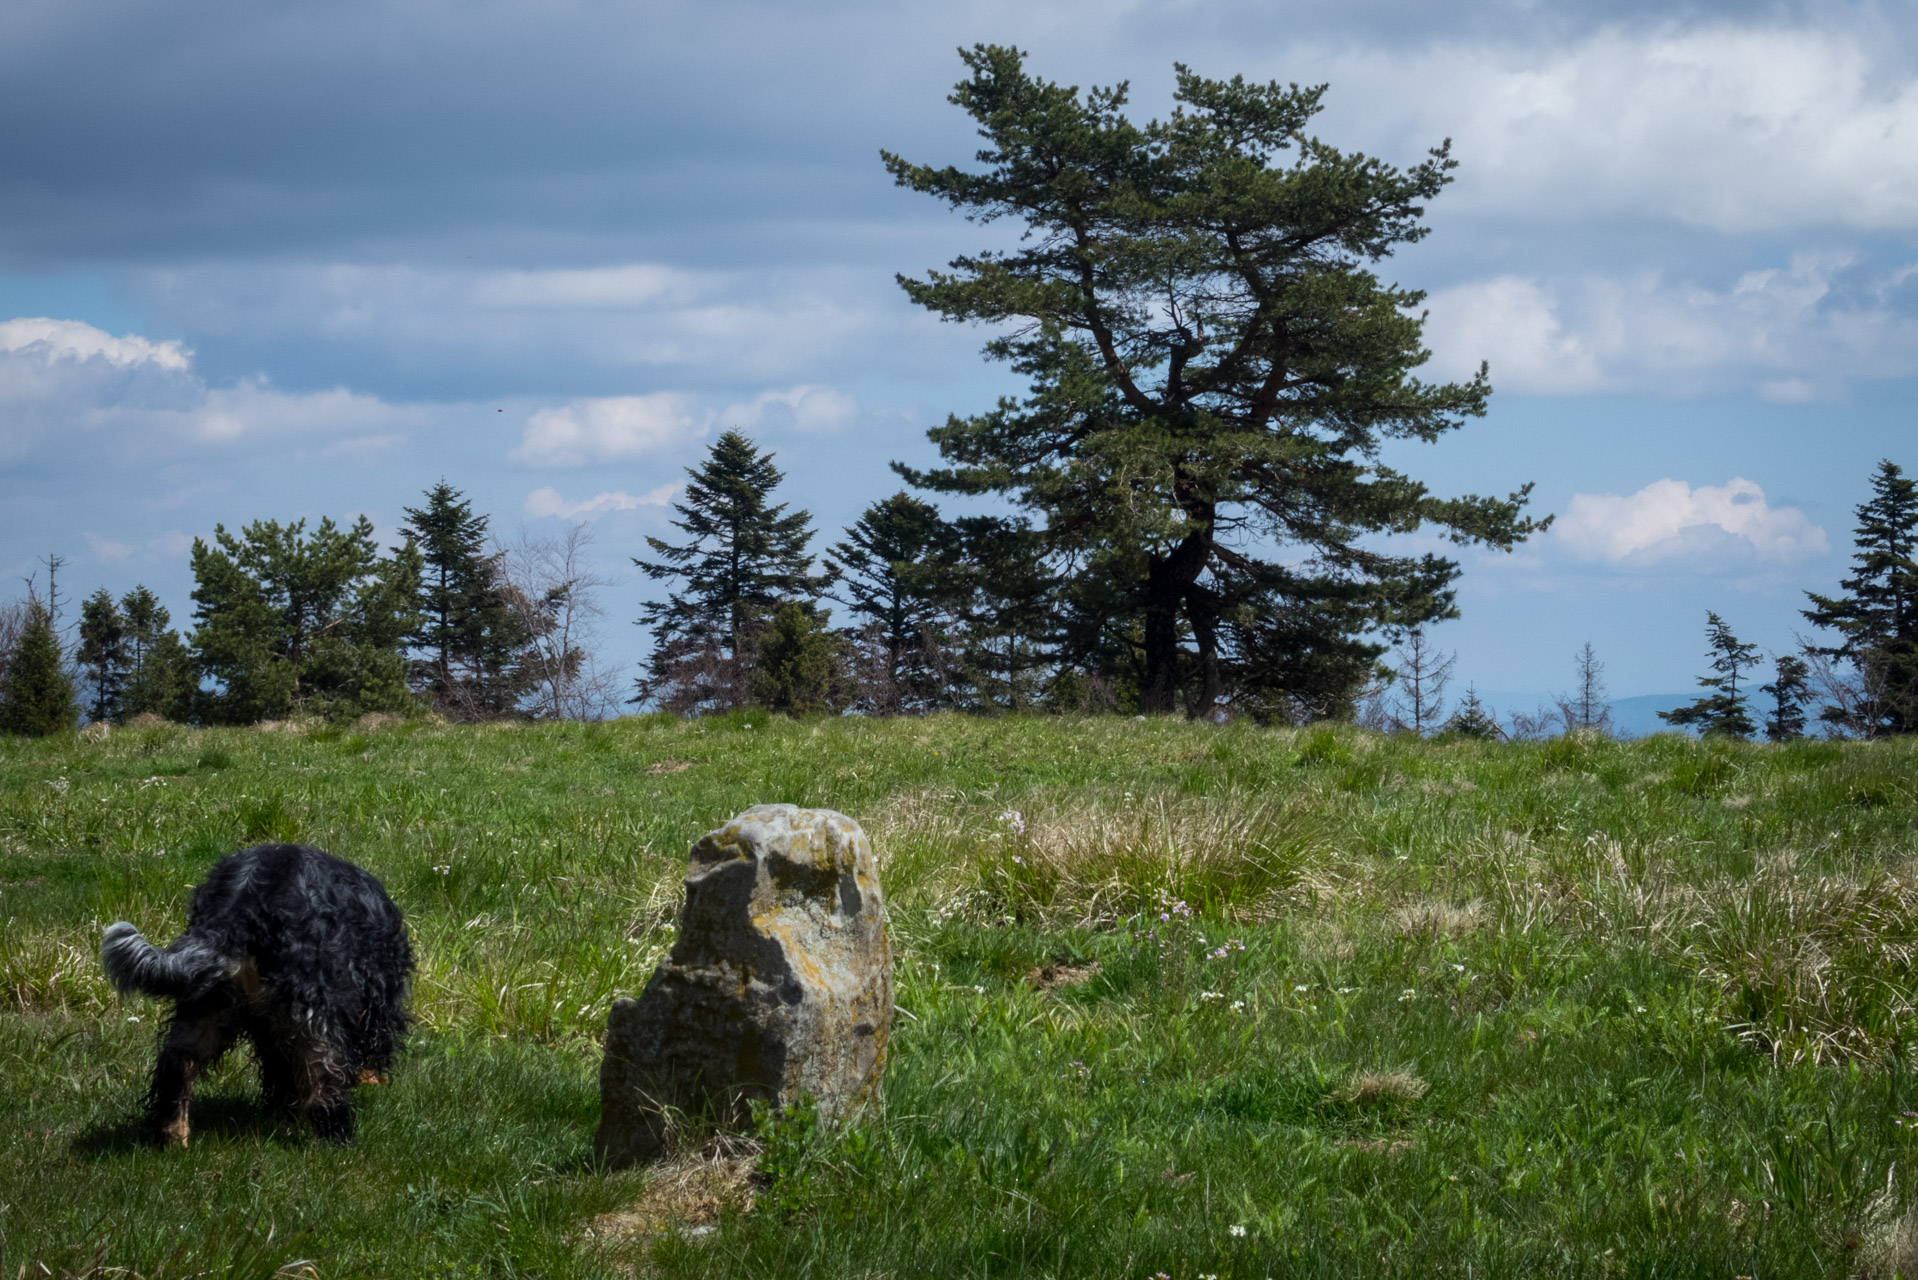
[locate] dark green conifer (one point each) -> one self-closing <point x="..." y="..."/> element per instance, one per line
<point x="799" y="669"/>
<point x="1790" y="690"/>
<point x="743" y="556"/>
<point x="161" y="680"/>
<point x="1725" y="710"/>
<point x="470" y="636"/>
<point x="291" y="621"/>
<point x="104" y="653"/>
<point x="1877" y="616"/>
<point x="36" y="695"/>
<point x="888" y="578"/>
<point x="1471" y="719"/>
<point x="1214" y="373"/>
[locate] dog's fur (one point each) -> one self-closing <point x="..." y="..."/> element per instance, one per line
<point x="297" y="950"/>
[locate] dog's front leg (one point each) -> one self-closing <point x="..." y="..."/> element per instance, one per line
<point x="194" y="1041"/>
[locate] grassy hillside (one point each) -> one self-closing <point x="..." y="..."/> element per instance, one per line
<point x="1177" y="1000"/>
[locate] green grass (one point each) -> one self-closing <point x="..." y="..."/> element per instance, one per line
<point x="1573" y="1008"/>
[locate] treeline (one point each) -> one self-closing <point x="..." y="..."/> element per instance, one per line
<point x="291" y="621"/>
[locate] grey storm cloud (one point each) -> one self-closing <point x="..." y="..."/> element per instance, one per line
<point x="557" y="132"/>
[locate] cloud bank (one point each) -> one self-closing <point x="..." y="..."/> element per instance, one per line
<point x="1670" y="523"/>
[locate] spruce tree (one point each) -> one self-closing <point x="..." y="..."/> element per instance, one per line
<point x="1790" y="690"/>
<point x="1877" y="616"/>
<point x="104" y="652"/>
<point x="470" y="634"/>
<point x="1472" y="720"/>
<point x="887" y="578"/>
<point x="1214" y="372"/>
<point x="744" y="556"/>
<point x="799" y="667"/>
<point x="36" y="697"/>
<point x="1725" y="709"/>
<point x="160" y="680"/>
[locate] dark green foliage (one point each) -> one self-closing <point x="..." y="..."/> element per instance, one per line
<point x="471" y="639"/>
<point x="799" y="670"/>
<point x="1214" y="369"/>
<point x="1471" y="719"/>
<point x="1790" y="691"/>
<point x="1002" y="598"/>
<point x="161" y="680"/>
<point x="888" y="577"/>
<point x="1725" y="710"/>
<point x="1877" y="616"/>
<point x="295" y="622"/>
<point x="744" y="556"/>
<point x="36" y="695"/>
<point x="104" y="652"/>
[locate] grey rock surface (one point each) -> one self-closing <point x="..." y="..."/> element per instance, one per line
<point x="779" y="985"/>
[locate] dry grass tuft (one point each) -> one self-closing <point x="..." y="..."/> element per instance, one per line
<point x="688" y="1194"/>
<point x="1813" y="970"/>
<point x="1098" y="862"/>
<point x="1061" y="975"/>
<point x="373" y="721"/>
<point x="669" y="766"/>
<point x="1437" y="919"/>
<point x="1400" y="1086"/>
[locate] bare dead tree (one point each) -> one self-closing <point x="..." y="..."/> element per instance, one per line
<point x="556" y="599"/>
<point x="1588" y="705"/>
<point x="1424" y="670"/>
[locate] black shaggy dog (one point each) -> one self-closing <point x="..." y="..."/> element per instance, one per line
<point x="297" y="950"/>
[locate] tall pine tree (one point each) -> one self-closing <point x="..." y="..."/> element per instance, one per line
<point x="161" y="680"/>
<point x="1214" y="374"/>
<point x="1877" y="616"/>
<point x="744" y="556"/>
<point x="36" y="697"/>
<point x="104" y="652"/>
<point x="1790" y="690"/>
<point x="889" y="581"/>
<point x="1726" y="709"/>
<point x="470" y="638"/>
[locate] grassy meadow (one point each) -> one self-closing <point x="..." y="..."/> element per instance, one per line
<point x="1176" y="1001"/>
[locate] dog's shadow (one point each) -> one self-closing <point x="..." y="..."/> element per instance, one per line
<point x="234" y="1116"/>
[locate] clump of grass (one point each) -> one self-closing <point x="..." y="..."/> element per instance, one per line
<point x="1097" y="863"/>
<point x="45" y="969"/>
<point x="1395" y="1087"/>
<point x="1812" y="969"/>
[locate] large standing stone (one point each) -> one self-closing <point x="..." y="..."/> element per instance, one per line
<point x="779" y="985"/>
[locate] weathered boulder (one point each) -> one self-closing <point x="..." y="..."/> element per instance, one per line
<point x="780" y="985"/>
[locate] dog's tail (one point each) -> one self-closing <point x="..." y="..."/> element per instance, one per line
<point x="135" y="965"/>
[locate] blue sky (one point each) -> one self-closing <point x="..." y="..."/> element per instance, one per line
<point x="304" y="260"/>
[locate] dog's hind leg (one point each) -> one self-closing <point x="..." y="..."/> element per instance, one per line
<point x="195" y="1040"/>
<point x="279" y="1072"/>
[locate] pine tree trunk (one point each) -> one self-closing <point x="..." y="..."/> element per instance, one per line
<point x="1168" y="581"/>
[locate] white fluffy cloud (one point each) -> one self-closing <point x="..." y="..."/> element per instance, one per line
<point x="1789" y="334"/>
<point x="68" y="388"/>
<point x="610" y="428"/>
<point x="75" y="340"/>
<point x="547" y="502"/>
<point x="1729" y="127"/>
<point x="803" y="408"/>
<point x="615" y="428"/>
<point x="1669" y="521"/>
